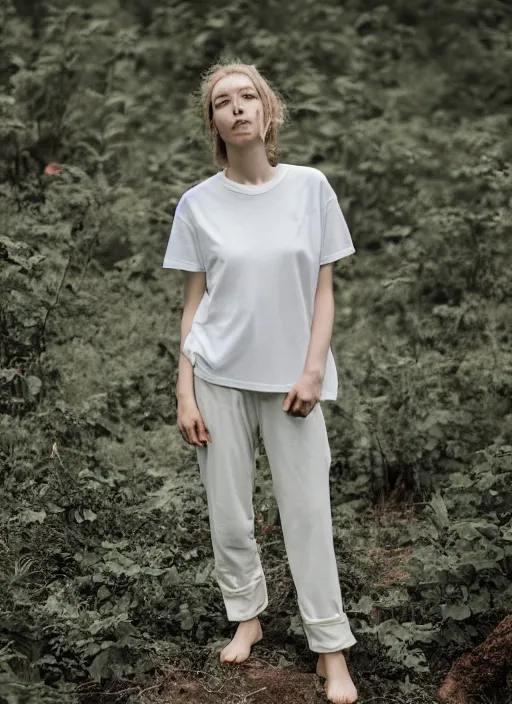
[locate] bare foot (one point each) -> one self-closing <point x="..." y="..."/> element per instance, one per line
<point x="339" y="687"/>
<point x="239" y="649"/>
<point x="320" y="666"/>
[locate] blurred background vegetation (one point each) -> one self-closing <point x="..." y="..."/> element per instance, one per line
<point x="105" y="556"/>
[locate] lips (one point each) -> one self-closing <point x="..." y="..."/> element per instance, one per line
<point x="240" y="122"/>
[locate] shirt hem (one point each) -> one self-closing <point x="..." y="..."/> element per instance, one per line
<point x="177" y="264"/>
<point x="338" y="255"/>
<point x="251" y="386"/>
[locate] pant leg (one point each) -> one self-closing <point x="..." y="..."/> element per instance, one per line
<point x="300" y="459"/>
<point x="227" y="467"/>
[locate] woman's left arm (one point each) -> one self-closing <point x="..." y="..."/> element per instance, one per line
<point x="305" y="394"/>
<point x="322" y="325"/>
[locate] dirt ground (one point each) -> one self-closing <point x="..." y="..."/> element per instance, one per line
<point x="254" y="681"/>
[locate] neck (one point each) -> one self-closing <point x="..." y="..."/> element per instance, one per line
<point x="249" y="166"/>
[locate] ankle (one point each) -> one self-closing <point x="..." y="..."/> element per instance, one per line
<point x="255" y="619"/>
<point x="337" y="656"/>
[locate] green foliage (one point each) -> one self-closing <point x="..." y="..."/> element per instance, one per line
<point x="458" y="574"/>
<point x="105" y="553"/>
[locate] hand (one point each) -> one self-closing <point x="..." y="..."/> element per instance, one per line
<point x="304" y="395"/>
<point x="190" y="423"/>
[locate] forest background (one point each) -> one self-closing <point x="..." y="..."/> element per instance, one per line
<point x="105" y="557"/>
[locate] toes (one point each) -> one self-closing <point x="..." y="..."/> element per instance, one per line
<point x="234" y="657"/>
<point x="242" y="656"/>
<point x="340" y="699"/>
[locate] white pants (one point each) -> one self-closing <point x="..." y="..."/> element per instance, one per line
<point x="299" y="458"/>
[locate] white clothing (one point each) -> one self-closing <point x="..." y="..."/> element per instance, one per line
<point x="261" y="248"/>
<point x="300" y="459"/>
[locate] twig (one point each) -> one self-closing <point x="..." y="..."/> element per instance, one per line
<point x="256" y="692"/>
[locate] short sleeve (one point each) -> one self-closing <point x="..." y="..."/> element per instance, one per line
<point x="336" y="240"/>
<point x="183" y="250"/>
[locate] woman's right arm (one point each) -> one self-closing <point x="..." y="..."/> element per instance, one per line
<point x="194" y="285"/>
<point x="190" y="421"/>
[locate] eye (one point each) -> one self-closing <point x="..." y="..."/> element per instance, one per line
<point x="246" y="95"/>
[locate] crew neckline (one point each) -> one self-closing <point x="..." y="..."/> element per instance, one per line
<point x="281" y="171"/>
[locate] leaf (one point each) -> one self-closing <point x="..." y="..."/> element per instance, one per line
<point x="115" y="131"/>
<point x="489" y="530"/>
<point x="296" y="626"/>
<point x="364" y="605"/>
<point x="439" y="509"/>
<point x="29" y="516"/>
<point x="92" y="649"/>
<point x="8" y="374"/>
<point x="173" y="576"/>
<point x="97" y="668"/>
<point x="460" y="481"/>
<point x="96" y="25"/>
<point x="187" y="623"/>
<point x="155" y="571"/>
<point x="103" y="592"/>
<point x="467" y="532"/>
<point x="53" y="604"/>
<point x="117" y="99"/>
<point x="309" y="88"/>
<point x="330" y="128"/>
<point x="132" y="570"/>
<point x="456" y="611"/>
<point x="215" y="22"/>
<point x="202" y="575"/>
<point x="479" y="603"/>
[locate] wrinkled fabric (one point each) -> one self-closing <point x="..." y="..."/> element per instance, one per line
<point x="299" y="458"/>
<point x="261" y="248"/>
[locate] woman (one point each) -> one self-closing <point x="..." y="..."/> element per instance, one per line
<point x="257" y="241"/>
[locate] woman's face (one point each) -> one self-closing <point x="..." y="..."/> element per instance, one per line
<point x="235" y="97"/>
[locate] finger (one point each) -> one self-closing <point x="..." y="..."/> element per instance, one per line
<point x="306" y="408"/>
<point x="297" y="406"/>
<point x="203" y="433"/>
<point x="289" y="399"/>
<point x="207" y="433"/>
<point x="192" y="433"/>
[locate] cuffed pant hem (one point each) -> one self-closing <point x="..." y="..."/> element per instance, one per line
<point x="329" y="635"/>
<point x="246" y="602"/>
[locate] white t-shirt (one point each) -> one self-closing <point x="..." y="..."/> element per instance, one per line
<point x="261" y="248"/>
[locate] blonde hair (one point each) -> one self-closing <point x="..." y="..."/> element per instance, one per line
<point x="274" y="108"/>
